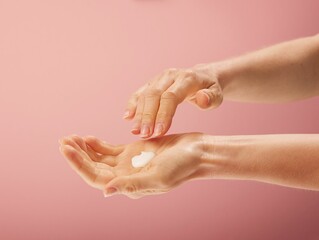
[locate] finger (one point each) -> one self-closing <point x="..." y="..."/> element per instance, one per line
<point x="138" y="116"/>
<point x="132" y="103"/>
<point x="93" y="154"/>
<point x="70" y="142"/>
<point x="159" y="84"/>
<point x="152" y="101"/>
<point x="151" y="105"/>
<point x="183" y="87"/>
<point x="79" y="141"/>
<point x="169" y="101"/>
<point x="88" y="152"/>
<point x="87" y="149"/>
<point x="83" y="168"/>
<point x="132" y="184"/>
<point x="96" y="175"/>
<point x="103" y="147"/>
<point x="107" y="159"/>
<point x="209" y="98"/>
<point x="166" y="111"/>
<point x="109" y="163"/>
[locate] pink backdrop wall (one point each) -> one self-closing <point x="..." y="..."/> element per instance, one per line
<point x="69" y="67"/>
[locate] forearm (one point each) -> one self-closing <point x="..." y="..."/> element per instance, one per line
<point x="289" y="160"/>
<point x="284" y="72"/>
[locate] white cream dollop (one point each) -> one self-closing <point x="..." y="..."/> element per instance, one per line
<point x="142" y="159"/>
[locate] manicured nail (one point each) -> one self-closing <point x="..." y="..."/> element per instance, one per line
<point x="145" y="131"/>
<point x="126" y="114"/>
<point x="158" y="129"/>
<point x="110" y="191"/>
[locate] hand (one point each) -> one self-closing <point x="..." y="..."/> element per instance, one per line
<point x="109" y="168"/>
<point x="153" y="106"/>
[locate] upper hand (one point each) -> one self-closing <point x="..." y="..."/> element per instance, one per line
<point x="153" y="106"/>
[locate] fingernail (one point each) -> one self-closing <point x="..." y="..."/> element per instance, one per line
<point x="136" y="128"/>
<point x="126" y="114"/>
<point x="158" y="129"/>
<point x="110" y="191"/>
<point x="145" y="131"/>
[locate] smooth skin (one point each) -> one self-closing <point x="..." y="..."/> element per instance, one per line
<point x="285" y="72"/>
<point x="287" y="160"/>
<point x="109" y="168"/>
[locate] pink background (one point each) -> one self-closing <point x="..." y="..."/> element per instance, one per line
<point x="70" y="66"/>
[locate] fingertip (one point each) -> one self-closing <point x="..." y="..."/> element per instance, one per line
<point x="110" y="191"/>
<point x="66" y="148"/>
<point x="68" y="151"/>
<point x="162" y="127"/>
<point x="136" y="129"/>
<point x="146" y="131"/>
<point x="159" y="130"/>
<point x="80" y="142"/>
<point x="203" y="100"/>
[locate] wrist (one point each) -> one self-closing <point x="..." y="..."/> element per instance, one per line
<point x="224" y="73"/>
<point x="218" y="71"/>
<point x="213" y="160"/>
<point x="221" y="157"/>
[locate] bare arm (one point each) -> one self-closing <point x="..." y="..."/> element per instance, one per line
<point x="290" y="160"/>
<point x="284" y="72"/>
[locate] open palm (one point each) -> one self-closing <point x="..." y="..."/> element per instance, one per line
<point x="108" y="168"/>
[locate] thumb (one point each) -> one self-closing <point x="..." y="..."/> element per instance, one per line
<point x="209" y="98"/>
<point x="130" y="184"/>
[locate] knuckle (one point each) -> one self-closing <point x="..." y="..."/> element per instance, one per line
<point x="138" y="116"/>
<point x="77" y="139"/>
<point x="152" y="92"/>
<point x="148" y="117"/>
<point x="134" y="97"/>
<point x="189" y="73"/>
<point x="189" y="80"/>
<point x="164" y="115"/>
<point x="169" y="95"/>
<point x="171" y="71"/>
